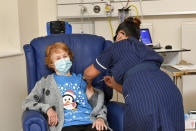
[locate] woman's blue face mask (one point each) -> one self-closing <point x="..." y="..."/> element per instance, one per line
<point x="63" y="65"/>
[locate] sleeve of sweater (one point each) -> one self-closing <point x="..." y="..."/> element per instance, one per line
<point x="97" y="103"/>
<point x="33" y="100"/>
<point x="93" y="100"/>
<point x="103" y="113"/>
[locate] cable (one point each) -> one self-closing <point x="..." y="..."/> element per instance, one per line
<point x="127" y="4"/>
<point x="122" y="4"/>
<point x="135" y="9"/>
<point x="124" y="7"/>
<point x="108" y="10"/>
<point x="82" y="18"/>
<point x="140" y="2"/>
<point x="111" y="28"/>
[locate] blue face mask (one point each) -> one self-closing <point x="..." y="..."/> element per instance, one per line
<point x="63" y="65"/>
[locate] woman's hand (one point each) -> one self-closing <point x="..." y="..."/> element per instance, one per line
<point x="99" y="124"/>
<point x="52" y="117"/>
<point x="109" y="81"/>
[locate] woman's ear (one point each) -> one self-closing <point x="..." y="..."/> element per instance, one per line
<point x="52" y="66"/>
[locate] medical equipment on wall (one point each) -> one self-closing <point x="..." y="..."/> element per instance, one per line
<point x="57" y="27"/>
<point x="83" y="10"/>
<point x="123" y="14"/>
<point x="91" y="10"/>
<point x="95" y="8"/>
<point x="190" y="120"/>
<point x="108" y="8"/>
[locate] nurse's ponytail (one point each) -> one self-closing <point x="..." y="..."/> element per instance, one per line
<point x="137" y="22"/>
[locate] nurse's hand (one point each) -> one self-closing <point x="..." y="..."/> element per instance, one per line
<point x="109" y="81"/>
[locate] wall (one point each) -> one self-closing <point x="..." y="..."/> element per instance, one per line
<point x="188" y="38"/>
<point x="166" y="6"/>
<point x="13" y="70"/>
<point x="13" y="91"/>
<point x="150" y="7"/>
<point x="9" y="35"/>
<point x="46" y="12"/>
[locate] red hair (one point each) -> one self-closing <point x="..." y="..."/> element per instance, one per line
<point x="53" y="48"/>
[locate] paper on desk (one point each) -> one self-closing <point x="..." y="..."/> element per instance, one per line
<point x="185" y="67"/>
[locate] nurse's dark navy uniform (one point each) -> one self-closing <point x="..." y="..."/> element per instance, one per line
<point x="153" y="102"/>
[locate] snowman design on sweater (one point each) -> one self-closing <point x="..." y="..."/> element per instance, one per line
<point x="77" y="110"/>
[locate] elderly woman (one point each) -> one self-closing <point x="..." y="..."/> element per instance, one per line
<point x="153" y="102"/>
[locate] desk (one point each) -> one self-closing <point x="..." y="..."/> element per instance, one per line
<point x="171" y="56"/>
<point x="162" y="50"/>
<point x="176" y="73"/>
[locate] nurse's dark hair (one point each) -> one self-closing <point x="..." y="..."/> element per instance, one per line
<point x="131" y="27"/>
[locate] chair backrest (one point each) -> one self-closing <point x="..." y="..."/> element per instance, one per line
<point x="85" y="48"/>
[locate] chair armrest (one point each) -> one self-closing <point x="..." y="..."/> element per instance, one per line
<point x="115" y="115"/>
<point x="34" y="121"/>
<point x="30" y="66"/>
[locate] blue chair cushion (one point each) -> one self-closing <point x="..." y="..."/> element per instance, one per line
<point x="115" y="115"/>
<point x="34" y="121"/>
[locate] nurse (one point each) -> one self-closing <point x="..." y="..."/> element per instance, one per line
<point x="153" y="102"/>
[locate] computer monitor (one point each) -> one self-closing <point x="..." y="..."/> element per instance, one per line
<point x="145" y="36"/>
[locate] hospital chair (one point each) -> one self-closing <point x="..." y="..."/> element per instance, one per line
<point x="85" y="48"/>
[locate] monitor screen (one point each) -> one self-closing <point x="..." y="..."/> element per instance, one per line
<point x="145" y="36"/>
